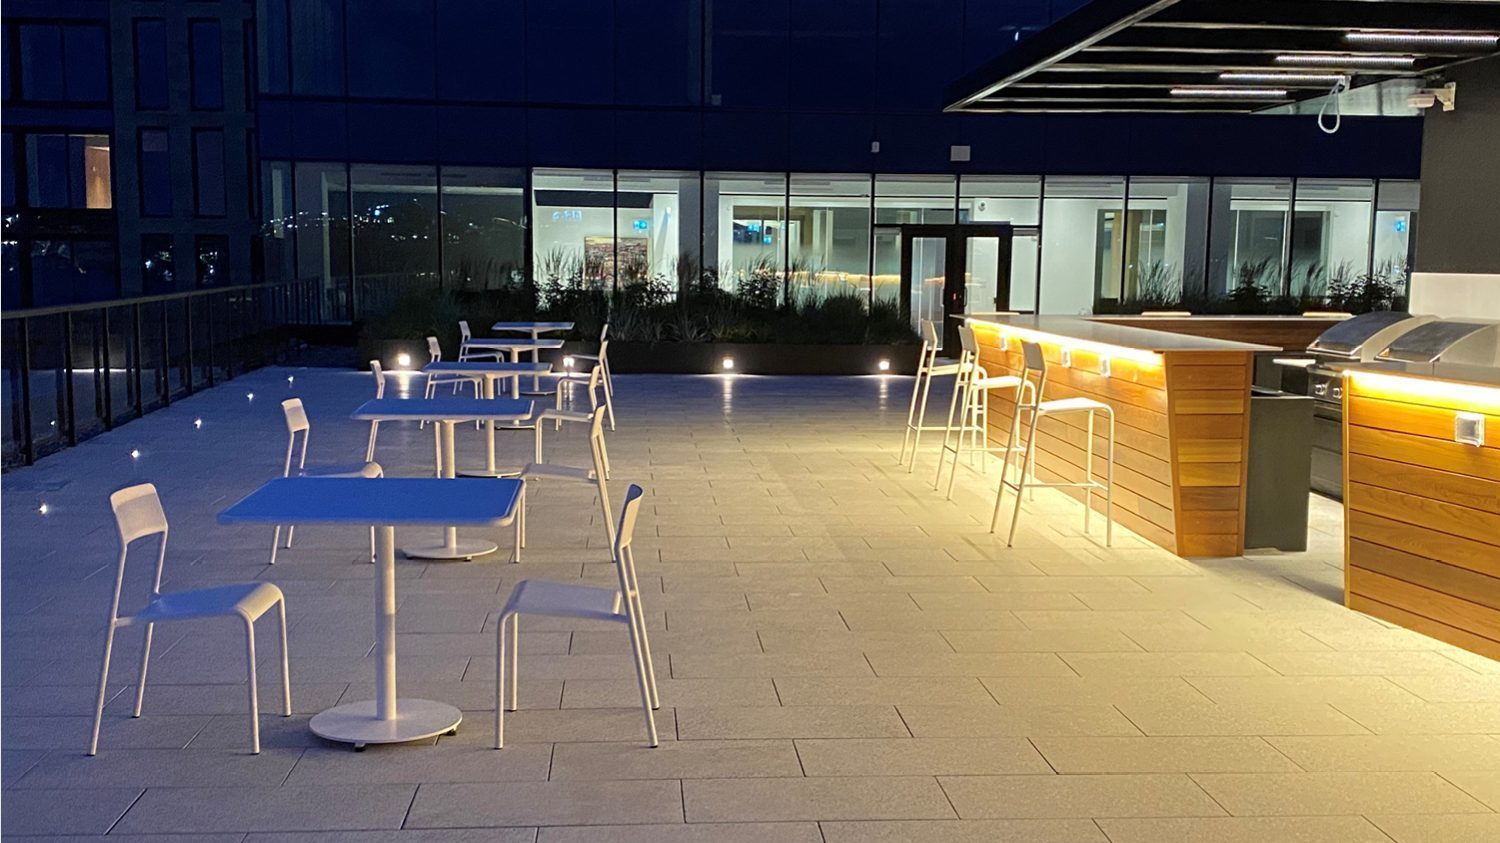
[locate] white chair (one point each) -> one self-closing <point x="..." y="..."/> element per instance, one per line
<point x="1034" y="374"/>
<point x="602" y="359"/>
<point x="546" y="471"/>
<point x="595" y="376"/>
<point x="971" y="397"/>
<point x="436" y="379"/>
<point x="583" y="602"/>
<point x="470" y="348"/>
<point x="296" y="422"/>
<point x="138" y="515"/>
<point x="916" y="415"/>
<point x="379" y="394"/>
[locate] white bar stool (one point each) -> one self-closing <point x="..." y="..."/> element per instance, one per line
<point x="916" y="415"/>
<point x="972" y="391"/>
<point x="1034" y="376"/>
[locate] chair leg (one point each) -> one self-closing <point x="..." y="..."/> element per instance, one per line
<point x="109" y="643"/>
<point x="140" y="687"/>
<point x="500" y="683"/>
<point x="640" y="620"/>
<point x="370" y="448"/>
<point x="948" y="430"/>
<point x="1109" y="487"/>
<point x="275" y="543"/>
<point x="286" y="664"/>
<point x="637" y="646"/>
<point x="254" y="691"/>
<point x="604" y="457"/>
<point x="290" y="530"/>
<point x="911" y="411"/>
<point x="609" y="404"/>
<point x="1026" y="468"/>
<point x="1088" y="473"/>
<point x="372" y="545"/>
<point x="1010" y="446"/>
<point x="963" y="429"/>
<point x="515" y="661"/>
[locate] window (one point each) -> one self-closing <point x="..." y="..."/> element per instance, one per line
<point x="207" y="50"/>
<point x="484" y="227"/>
<point x="1396" y="206"/>
<point x="574" y="227"/>
<point x="828" y="235"/>
<point x="1082" y="242"/>
<point x="156" y="264"/>
<point x="910" y="199"/>
<point x="322" y="231"/>
<point x="273" y="37"/>
<point x="213" y="259"/>
<point x="1330" y="248"/>
<point x="277" y="225"/>
<point x="657" y="218"/>
<point x="1247" y="237"/>
<point x="1166" y="227"/>
<point x="72" y="271"/>
<point x="68" y="171"/>
<point x="395" y="227"/>
<point x="317" y="28"/>
<point x="8" y="179"/>
<point x="208" y="172"/>
<point x="63" y="63"/>
<point x="156" y="173"/>
<point x="744" y="231"/>
<point x="1018" y="201"/>
<point x="391" y="49"/>
<point x="151" y="64"/>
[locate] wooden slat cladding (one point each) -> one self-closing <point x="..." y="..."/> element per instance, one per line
<point x="1181" y="425"/>
<point x="1422" y="512"/>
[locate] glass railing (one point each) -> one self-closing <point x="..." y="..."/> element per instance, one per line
<point x="75" y="371"/>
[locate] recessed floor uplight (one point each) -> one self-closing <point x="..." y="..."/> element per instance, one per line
<point x="290" y="379"/>
<point x="249" y="396"/>
<point x="884" y="365"/>
<point x="727" y="364"/>
<point x="403" y="360"/>
<point x="1344" y="60"/>
<point x="43" y="509"/>
<point x="135" y="453"/>
<point x="197" y="424"/>
<point x="1230" y="93"/>
<point x="1398" y="36"/>
<point x="568" y="362"/>
<point x="1289" y="77"/>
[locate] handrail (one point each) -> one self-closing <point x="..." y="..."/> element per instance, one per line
<point x="53" y="310"/>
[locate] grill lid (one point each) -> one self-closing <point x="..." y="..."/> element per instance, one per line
<point x="1449" y="340"/>
<point x="1345" y="338"/>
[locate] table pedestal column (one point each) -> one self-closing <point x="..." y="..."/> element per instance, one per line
<point x="452" y="547"/>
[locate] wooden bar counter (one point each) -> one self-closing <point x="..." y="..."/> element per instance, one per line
<point x="1182" y="414"/>
<point x="1421" y="508"/>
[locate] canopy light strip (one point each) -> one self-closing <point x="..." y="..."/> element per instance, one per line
<point x="1345" y="60"/>
<point x="1287" y="77"/>
<point x="1396" y="36"/>
<point x="1230" y="93"/>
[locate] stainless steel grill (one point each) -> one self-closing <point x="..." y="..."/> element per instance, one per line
<point x="1459" y="348"/>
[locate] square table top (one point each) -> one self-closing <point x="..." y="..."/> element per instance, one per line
<point x="389" y="501"/>
<point x="488" y="367"/>
<point x="443" y="409"/>
<point x="532" y="326"/>
<point x="511" y="342"/>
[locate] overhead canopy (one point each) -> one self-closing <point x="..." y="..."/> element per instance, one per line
<point x="1225" y="55"/>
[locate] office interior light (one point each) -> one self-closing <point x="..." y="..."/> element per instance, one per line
<point x="1345" y="60"/>
<point x="1399" y="36"/>
<point x="1229" y="93"/>
<point x="1288" y="77"/>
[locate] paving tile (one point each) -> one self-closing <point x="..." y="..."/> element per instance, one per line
<point x="309" y="808"/>
<point x="1165" y="664"/>
<point x="920" y="756"/>
<point x="546" y="803"/>
<point x="1452" y="686"/>
<point x="1415" y="717"/>
<point x="1454" y="828"/>
<point x="1242" y="830"/>
<point x="831" y="798"/>
<point x="93" y="811"/>
<point x="1290" y="794"/>
<point x="1374" y="753"/>
<point x="1108" y="690"/>
<point x="968" y="664"/>
<point x="447" y="835"/>
<point x="1224" y="719"/>
<point x="720" y="690"/>
<point x="766" y="722"/>
<point x="1359" y="664"/>
<point x="689" y="666"/>
<point x="450" y="760"/>
<point x="1162" y="755"/>
<point x="1041" y="641"/>
<point x="957" y="721"/>
<point x="699" y="759"/>
<point x="1128" y="795"/>
<point x="796" y="690"/>
<point x="127" y="768"/>
<point x="1484" y="786"/>
<point x="748" y="832"/>
<point x="964" y="831"/>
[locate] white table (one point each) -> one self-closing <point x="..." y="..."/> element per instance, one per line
<point x="385" y="503"/>
<point x="446" y="414"/>
<point x="491" y="371"/>
<point x="535" y="329"/>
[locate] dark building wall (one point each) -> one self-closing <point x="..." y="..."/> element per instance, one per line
<point x="706" y="84"/>
<point x="1461" y="176"/>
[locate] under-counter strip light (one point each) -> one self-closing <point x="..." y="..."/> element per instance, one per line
<point x="1471" y="397"/>
<point x="1138" y="356"/>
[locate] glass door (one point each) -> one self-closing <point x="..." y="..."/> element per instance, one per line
<point x="953" y="270"/>
<point x="925" y="264"/>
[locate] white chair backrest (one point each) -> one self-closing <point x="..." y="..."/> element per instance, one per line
<point x="138" y="514"/>
<point x="929" y="332"/>
<point x="463" y="330"/>
<point x="1033" y="357"/>
<point x="434" y="350"/>
<point x="379" y="378"/>
<point x="596" y="375"/>
<point x="966" y="339"/>
<point x="628" y="512"/>
<point x="296" y="415"/>
<point x="603" y="335"/>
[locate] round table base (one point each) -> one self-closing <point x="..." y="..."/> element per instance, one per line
<point x="502" y="471"/>
<point x="464" y="549"/>
<point x="356" y="723"/>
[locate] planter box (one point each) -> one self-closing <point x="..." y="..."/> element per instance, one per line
<point x="757" y="358"/>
